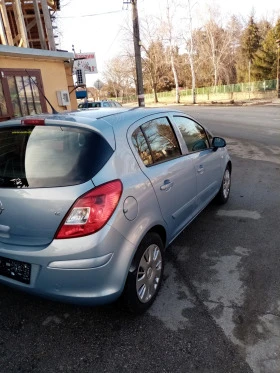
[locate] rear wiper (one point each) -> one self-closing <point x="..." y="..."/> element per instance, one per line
<point x="42" y="93"/>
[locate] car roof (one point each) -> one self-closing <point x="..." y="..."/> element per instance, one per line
<point x="90" y="116"/>
<point x="114" y="117"/>
<point x="104" y="120"/>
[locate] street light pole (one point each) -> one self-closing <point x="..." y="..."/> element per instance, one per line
<point x="137" y="51"/>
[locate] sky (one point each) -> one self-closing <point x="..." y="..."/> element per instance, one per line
<point x="96" y="26"/>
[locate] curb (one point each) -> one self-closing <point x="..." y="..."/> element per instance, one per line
<point x="214" y="104"/>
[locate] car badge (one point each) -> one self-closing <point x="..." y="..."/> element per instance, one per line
<point x="1" y="208"/>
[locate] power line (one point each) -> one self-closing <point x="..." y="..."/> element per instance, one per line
<point x="120" y="29"/>
<point x="90" y="15"/>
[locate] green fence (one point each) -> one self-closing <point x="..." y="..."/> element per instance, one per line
<point x="264" y="85"/>
<point x="261" y="86"/>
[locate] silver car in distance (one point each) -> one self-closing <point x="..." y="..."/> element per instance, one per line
<point x="90" y="200"/>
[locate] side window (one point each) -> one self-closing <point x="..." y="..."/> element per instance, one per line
<point x="194" y="135"/>
<point x="161" y="140"/>
<point x="106" y="104"/>
<point x="141" y="146"/>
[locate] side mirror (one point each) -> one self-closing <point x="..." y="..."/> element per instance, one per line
<point x="218" y="142"/>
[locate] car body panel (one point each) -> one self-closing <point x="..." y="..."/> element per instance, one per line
<point x="208" y="175"/>
<point x="90" y="285"/>
<point x="171" y="181"/>
<point x="32" y="216"/>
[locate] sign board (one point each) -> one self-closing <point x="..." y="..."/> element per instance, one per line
<point x="81" y="94"/>
<point x="98" y="84"/>
<point x="85" y="61"/>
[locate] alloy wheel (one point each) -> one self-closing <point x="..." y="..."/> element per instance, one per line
<point x="149" y="273"/>
<point x="226" y="183"/>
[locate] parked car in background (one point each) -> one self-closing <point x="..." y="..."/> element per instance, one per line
<point x="96" y="104"/>
<point x="90" y="200"/>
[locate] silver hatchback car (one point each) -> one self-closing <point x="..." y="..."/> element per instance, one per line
<point x="90" y="200"/>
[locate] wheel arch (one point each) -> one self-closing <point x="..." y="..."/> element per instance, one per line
<point x="160" y="230"/>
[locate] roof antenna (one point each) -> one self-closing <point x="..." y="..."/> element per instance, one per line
<point x="53" y="109"/>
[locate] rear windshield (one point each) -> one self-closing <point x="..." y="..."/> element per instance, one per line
<point x="42" y="156"/>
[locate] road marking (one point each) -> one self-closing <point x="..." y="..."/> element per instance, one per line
<point x="240" y="214"/>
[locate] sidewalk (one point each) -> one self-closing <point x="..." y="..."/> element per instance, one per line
<point x="252" y="102"/>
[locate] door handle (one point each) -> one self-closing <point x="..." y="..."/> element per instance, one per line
<point x="167" y="185"/>
<point x="200" y="169"/>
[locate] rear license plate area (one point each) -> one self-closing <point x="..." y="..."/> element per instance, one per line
<point x="19" y="271"/>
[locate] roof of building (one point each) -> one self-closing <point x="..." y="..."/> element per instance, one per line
<point x="10" y="51"/>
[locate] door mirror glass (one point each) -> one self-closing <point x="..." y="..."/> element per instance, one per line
<point x="218" y="142"/>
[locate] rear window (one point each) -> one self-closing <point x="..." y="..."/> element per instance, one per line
<point x="47" y="156"/>
<point x="87" y="105"/>
<point x="93" y="104"/>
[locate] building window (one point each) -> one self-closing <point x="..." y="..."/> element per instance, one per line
<point x="21" y="95"/>
<point x="3" y="105"/>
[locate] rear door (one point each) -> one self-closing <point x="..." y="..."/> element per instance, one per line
<point x="43" y="170"/>
<point x="170" y="172"/>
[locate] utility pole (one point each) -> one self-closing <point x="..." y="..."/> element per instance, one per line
<point x="277" y="81"/>
<point x="137" y="51"/>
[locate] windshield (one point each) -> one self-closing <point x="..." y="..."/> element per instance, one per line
<point x="42" y="156"/>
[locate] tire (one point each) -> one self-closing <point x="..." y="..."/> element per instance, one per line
<point x="145" y="275"/>
<point x="223" y="194"/>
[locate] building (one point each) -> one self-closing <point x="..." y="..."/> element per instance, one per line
<point x="34" y="75"/>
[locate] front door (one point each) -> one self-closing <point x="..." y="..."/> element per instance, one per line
<point x="206" y="161"/>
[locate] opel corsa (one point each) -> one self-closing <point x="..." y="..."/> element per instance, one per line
<point x="90" y="200"/>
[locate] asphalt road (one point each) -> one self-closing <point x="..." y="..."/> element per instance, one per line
<point x="219" y="307"/>
<point x="252" y="123"/>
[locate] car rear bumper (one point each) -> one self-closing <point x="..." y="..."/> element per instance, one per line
<point x="93" y="280"/>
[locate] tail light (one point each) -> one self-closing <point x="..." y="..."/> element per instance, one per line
<point x="91" y="211"/>
<point x="33" y="122"/>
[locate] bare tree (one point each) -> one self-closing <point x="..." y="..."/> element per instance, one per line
<point x="119" y="75"/>
<point x="170" y="33"/>
<point x="218" y="42"/>
<point x="189" y="45"/>
<point x="154" y="56"/>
